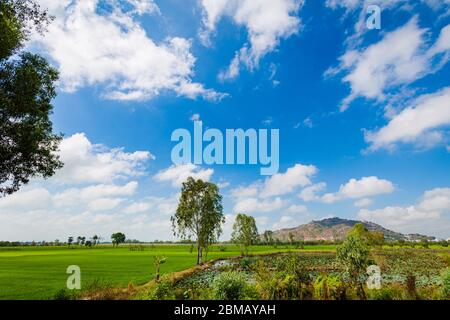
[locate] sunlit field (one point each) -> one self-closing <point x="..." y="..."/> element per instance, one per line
<point x="40" y="272"/>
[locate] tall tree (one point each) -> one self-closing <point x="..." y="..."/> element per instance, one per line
<point x="199" y="214"/>
<point x="245" y="232"/>
<point x="118" y="238"/>
<point x="70" y="241"/>
<point x="27" y="87"/>
<point x="353" y="255"/>
<point x="268" y="237"/>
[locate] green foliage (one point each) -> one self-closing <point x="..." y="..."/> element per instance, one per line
<point x="329" y="287"/>
<point x="268" y="237"/>
<point x="283" y="278"/>
<point x="386" y="293"/>
<point x="27" y="86"/>
<point x="199" y="213"/>
<point x="163" y="290"/>
<point x="65" y="294"/>
<point x="245" y="232"/>
<point x="17" y="19"/>
<point x="118" y="238"/>
<point x="446" y="283"/>
<point x="232" y="286"/>
<point x="158" y="261"/>
<point x="353" y="255"/>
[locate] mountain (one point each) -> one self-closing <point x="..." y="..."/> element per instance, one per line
<point x="337" y="229"/>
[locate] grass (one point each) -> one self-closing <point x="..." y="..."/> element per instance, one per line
<point x="40" y="272"/>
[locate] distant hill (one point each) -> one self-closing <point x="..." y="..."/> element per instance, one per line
<point x="337" y="229"/>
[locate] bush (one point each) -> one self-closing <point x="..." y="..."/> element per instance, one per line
<point x="232" y="286"/>
<point x="65" y="294"/>
<point x="163" y="290"/>
<point x="386" y="293"/>
<point x="446" y="283"/>
<point x="328" y="287"/>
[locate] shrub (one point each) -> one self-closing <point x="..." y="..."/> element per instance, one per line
<point x="232" y="286"/>
<point x="246" y="263"/>
<point x="163" y="290"/>
<point x="446" y="283"/>
<point x="386" y="293"/>
<point x="353" y="255"/>
<point x="328" y="287"/>
<point x="65" y="294"/>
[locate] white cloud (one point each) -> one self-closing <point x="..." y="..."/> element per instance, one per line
<point x="104" y="204"/>
<point x="112" y="49"/>
<point x="34" y="199"/>
<point x="75" y="196"/>
<point x="286" y="222"/>
<point x="362" y="188"/>
<point x="85" y="162"/>
<point x="284" y="183"/>
<point x="137" y="207"/>
<point x="433" y="204"/>
<point x="267" y="22"/>
<point x="365" y="202"/>
<point x="100" y="205"/>
<point x="296" y="209"/>
<point x="245" y="191"/>
<point x="415" y="124"/>
<point x="255" y="205"/>
<point x="396" y="59"/>
<point x="310" y="193"/>
<point x="177" y="174"/>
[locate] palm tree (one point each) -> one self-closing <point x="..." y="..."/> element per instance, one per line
<point x="79" y="238"/>
<point x="69" y="241"/>
<point x="95" y="239"/>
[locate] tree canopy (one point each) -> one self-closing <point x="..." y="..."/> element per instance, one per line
<point x="27" y="86"/>
<point x="199" y="214"/>
<point x="118" y="238"/>
<point x="245" y="231"/>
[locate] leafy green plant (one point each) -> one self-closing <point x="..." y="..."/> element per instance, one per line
<point x="386" y="293"/>
<point x="163" y="290"/>
<point x="353" y="254"/>
<point x="446" y="283"/>
<point x="328" y="287"/>
<point x="232" y="286"/>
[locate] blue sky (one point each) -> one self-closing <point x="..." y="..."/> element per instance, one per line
<point x="363" y="114"/>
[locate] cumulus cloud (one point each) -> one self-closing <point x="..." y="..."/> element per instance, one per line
<point x="94" y="46"/>
<point x="294" y="209"/>
<point x="362" y="188"/>
<point x="400" y="58"/>
<point x="432" y="206"/>
<point x="365" y="202"/>
<point x="255" y="205"/>
<point x="94" y="195"/>
<point x="85" y="162"/>
<point x="177" y="174"/>
<point x="34" y="199"/>
<point x="287" y="222"/>
<point x="284" y="183"/>
<point x="267" y="22"/>
<point x="311" y="193"/>
<point x="418" y="123"/>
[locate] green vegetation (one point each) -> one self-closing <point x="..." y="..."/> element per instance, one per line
<point x="245" y="232"/>
<point x="199" y="214"/>
<point x="27" y="86"/>
<point x="40" y="272"/>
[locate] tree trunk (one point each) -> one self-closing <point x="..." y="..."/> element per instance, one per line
<point x="199" y="255"/>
